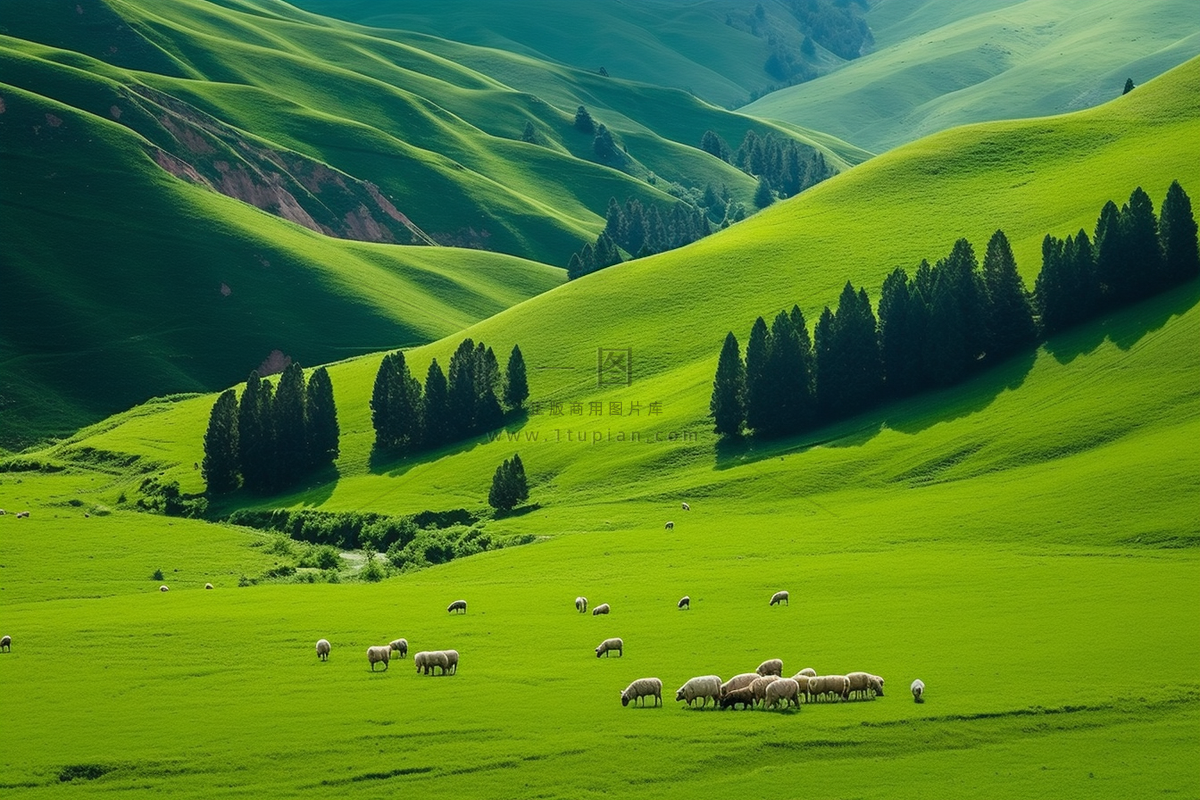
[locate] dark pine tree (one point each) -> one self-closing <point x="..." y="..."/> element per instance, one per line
<point x="516" y="382"/>
<point x="900" y="374"/>
<point x="269" y="465"/>
<point x="291" y="435"/>
<point x="1109" y="244"/>
<point x="1139" y="229"/>
<point x="1010" y="315"/>
<point x="584" y="121"/>
<point x="435" y="407"/>
<point x="856" y="332"/>
<point x="948" y="351"/>
<point x="322" y="423"/>
<point x="970" y="293"/>
<point x="488" y="413"/>
<point x="1177" y="233"/>
<point x="749" y="156"/>
<point x="759" y="393"/>
<point x="763" y="196"/>
<point x="809" y="379"/>
<point x="1079" y="267"/>
<point x="251" y="444"/>
<point x="462" y="395"/>
<point x="792" y="408"/>
<point x="220" y="466"/>
<point x="727" y="404"/>
<point x="603" y="145"/>
<point x="381" y="414"/>
<point x="405" y="406"/>
<point x="614" y="221"/>
<point x="1128" y="86"/>
<point x="1051" y="288"/>
<point x="509" y="485"/>
<point x="714" y="145"/>
<point x="827" y="360"/>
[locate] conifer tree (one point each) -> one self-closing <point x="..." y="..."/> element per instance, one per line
<point x="1050" y="289"/>
<point x="462" y="394"/>
<point x="826" y="358"/>
<point x="509" y="485"/>
<point x="792" y="406"/>
<point x="268" y="464"/>
<point x="291" y="436"/>
<point x="758" y="389"/>
<point x="1177" y="234"/>
<point x="1139" y="229"/>
<point x="405" y="407"/>
<point x="488" y="413"/>
<point x="614" y="221"/>
<point x="435" y="408"/>
<point x="220" y="465"/>
<point x="251" y="444"/>
<point x="800" y="325"/>
<point x="516" y="383"/>
<point x="857" y="343"/>
<point x="895" y="329"/>
<point x="1080" y="269"/>
<point x="381" y="414"/>
<point x="322" y="423"/>
<point x="713" y="144"/>
<point x="584" y="121"/>
<point x="1010" y="315"/>
<point x="948" y="354"/>
<point x="727" y="404"/>
<point x="763" y="196"/>
<point x="1109" y="244"/>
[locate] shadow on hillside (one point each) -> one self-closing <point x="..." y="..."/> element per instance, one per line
<point x="394" y="466"/>
<point x="1125" y="327"/>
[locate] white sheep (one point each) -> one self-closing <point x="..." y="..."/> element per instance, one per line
<point x="400" y="646"/>
<point x="457" y="605"/>
<point x="641" y="689"/>
<point x="426" y="660"/>
<point x="378" y="654"/>
<point x="685" y="602"/>
<point x="420" y="660"/>
<point x="686" y="507"/>
<point x="772" y="666"/>
<point x="829" y="684"/>
<point x="784" y="689"/>
<point x="802" y="682"/>
<point x="600" y="609"/>
<point x="608" y="645"/>
<point x="739" y="682"/>
<point x="918" y="689"/>
<point x="164" y="588"/>
<point x="669" y="525"/>
<point x="864" y="684"/>
<point x="323" y="649"/>
<point x="6" y="643"/>
<point x="779" y="597"/>
<point x="208" y="586"/>
<point x="703" y="687"/>
<point x="451" y="663"/>
<point x="808" y="671"/>
<point x="759" y="687"/>
<point x="581" y="604"/>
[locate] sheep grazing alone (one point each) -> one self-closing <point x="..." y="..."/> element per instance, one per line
<point x="208" y="586"/>
<point x="702" y="688"/>
<point x="744" y="695"/>
<point x="641" y="689"/>
<point x="686" y="507"/>
<point x="779" y="597"/>
<point x="772" y="666"/>
<point x="378" y="654"/>
<point x="601" y="609"/>
<point x="426" y="660"/>
<point x="759" y="687"/>
<point x="400" y="646"/>
<point x="323" y="649"/>
<point x="608" y="645"/>
<point x="829" y="684"/>
<point x="22" y="514"/>
<point x="685" y="602"/>
<point x="865" y="685"/>
<point x="164" y="588"/>
<point x="457" y="605"/>
<point x="741" y="681"/>
<point x="669" y="525"/>
<point x="784" y="689"/>
<point x="809" y="671"/>
<point x="918" y="689"/>
<point x="581" y="604"/>
<point x="6" y="644"/>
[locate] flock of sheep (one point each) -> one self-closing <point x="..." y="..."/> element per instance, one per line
<point x="426" y="661"/>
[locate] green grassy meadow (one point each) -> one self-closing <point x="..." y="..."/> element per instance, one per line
<point x="946" y="63"/>
<point x="1025" y="543"/>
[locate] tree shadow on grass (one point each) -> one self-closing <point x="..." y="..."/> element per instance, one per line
<point x="382" y="462"/>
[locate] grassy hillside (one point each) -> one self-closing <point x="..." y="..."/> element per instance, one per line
<point x="144" y="114"/>
<point x="946" y="63"/>
<point x="1015" y="542"/>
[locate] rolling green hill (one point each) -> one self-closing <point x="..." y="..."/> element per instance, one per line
<point x="125" y="122"/>
<point x="945" y="63"/>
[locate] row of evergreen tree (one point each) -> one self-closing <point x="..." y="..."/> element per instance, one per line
<point x="782" y="167"/>
<point x="408" y="418"/>
<point x="640" y="230"/>
<point x="947" y="321"/>
<point x="272" y="436"/>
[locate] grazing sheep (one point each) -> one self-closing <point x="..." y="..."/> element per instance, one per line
<point x="6" y="644"/>
<point x="426" y="660"/>
<point x="744" y="695"/>
<point x="608" y="645"/>
<point x="601" y="609"/>
<point x="400" y="646"/>
<point x="685" y="602"/>
<point x="457" y="605"/>
<point x="829" y="684"/>
<point x="741" y="681"/>
<point x="22" y="514"/>
<point x="918" y="689"/>
<point x="451" y="664"/>
<point x="323" y="649"/>
<point x="759" y="687"/>
<point x="420" y="660"/>
<point x="802" y="682"/>
<point x="641" y="689"/>
<point x="164" y="588"/>
<point x="686" y="507"/>
<point x="669" y="525"/>
<point x="581" y="604"/>
<point x="784" y="689"/>
<point x="703" y="687"/>
<point x="808" y="671"/>
<point x="2" y="512"/>
<point x="779" y="597"/>
<point x="864" y="684"/>
<point x="208" y="586"/>
<point x="772" y="666"/>
<point x="377" y="654"/>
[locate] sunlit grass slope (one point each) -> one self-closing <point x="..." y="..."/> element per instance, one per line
<point x="946" y="63"/>
<point x="1024" y="543"/>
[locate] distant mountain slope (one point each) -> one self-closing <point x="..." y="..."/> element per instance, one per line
<point x="944" y="63"/>
<point x="723" y="51"/>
